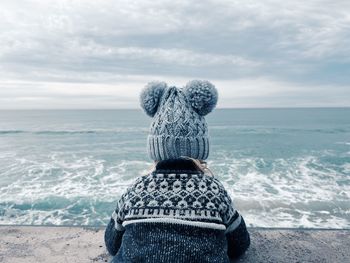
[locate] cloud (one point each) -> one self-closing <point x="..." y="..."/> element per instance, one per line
<point x="267" y="47"/>
<point x="242" y="93"/>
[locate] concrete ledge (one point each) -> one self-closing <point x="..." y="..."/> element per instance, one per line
<point x="77" y="244"/>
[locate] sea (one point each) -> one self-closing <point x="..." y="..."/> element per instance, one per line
<point x="285" y="167"/>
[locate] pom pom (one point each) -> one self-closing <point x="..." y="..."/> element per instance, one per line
<point x="150" y="96"/>
<point x="202" y="96"/>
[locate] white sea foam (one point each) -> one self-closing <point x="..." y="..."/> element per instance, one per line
<point x="71" y="189"/>
<point x="287" y="192"/>
<point x="346" y="168"/>
<point x="40" y="131"/>
<point x="62" y="188"/>
<point x="344" y="143"/>
<point x="69" y="177"/>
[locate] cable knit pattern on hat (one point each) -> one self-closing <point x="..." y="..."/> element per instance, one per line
<point x="179" y="127"/>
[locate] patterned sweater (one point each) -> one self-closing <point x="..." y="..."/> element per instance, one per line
<point x="176" y="214"/>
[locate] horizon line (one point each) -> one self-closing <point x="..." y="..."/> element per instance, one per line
<point x="219" y="108"/>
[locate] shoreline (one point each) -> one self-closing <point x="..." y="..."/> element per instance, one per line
<point x="55" y="244"/>
<point x="251" y="228"/>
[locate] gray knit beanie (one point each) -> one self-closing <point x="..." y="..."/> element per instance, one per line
<point x="178" y="127"/>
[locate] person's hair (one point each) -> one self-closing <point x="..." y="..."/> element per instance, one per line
<point x="200" y="165"/>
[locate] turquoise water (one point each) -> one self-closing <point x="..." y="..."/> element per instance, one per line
<point x="283" y="167"/>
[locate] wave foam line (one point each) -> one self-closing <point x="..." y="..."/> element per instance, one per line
<point x="63" y="132"/>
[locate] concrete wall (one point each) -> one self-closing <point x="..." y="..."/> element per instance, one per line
<point x="76" y="244"/>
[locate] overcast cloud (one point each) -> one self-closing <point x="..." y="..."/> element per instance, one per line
<point x="99" y="54"/>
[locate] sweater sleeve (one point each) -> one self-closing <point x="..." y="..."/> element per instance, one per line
<point x="115" y="230"/>
<point x="238" y="239"/>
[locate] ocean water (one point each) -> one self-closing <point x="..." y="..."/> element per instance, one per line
<point x="282" y="167"/>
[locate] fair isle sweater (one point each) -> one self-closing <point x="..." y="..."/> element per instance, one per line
<point x="176" y="214"/>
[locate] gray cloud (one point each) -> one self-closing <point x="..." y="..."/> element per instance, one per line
<point x="114" y="47"/>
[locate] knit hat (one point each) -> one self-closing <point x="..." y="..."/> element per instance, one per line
<point x="178" y="127"/>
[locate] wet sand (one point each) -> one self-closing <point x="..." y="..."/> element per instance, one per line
<point x="77" y="244"/>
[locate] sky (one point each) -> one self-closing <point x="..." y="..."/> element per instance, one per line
<point x="84" y="54"/>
